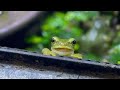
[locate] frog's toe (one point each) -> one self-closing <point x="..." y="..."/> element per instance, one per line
<point x="52" y="54"/>
<point x="78" y="56"/>
<point x="45" y="53"/>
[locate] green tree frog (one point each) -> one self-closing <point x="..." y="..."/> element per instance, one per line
<point x="62" y="47"/>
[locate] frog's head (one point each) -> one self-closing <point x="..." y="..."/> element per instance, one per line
<point x="63" y="46"/>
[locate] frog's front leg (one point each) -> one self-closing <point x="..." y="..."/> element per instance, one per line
<point x="46" y="51"/>
<point x="77" y="55"/>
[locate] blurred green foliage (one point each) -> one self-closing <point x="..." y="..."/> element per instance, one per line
<point x="114" y="54"/>
<point x="96" y="40"/>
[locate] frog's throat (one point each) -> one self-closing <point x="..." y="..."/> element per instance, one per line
<point x="63" y="51"/>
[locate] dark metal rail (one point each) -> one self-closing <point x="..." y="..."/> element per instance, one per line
<point x="13" y="54"/>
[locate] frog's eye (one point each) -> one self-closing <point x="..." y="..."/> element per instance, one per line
<point x="52" y="40"/>
<point x="74" y="42"/>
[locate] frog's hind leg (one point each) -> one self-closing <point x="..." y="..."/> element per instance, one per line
<point x="79" y="56"/>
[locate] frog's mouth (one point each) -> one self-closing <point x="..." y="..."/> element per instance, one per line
<point x="63" y="49"/>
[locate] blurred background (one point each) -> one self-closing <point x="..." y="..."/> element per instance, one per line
<point x="97" y="32"/>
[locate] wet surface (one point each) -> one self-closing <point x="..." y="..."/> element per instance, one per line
<point x="9" y="71"/>
<point x="21" y="64"/>
<point x="18" y="71"/>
